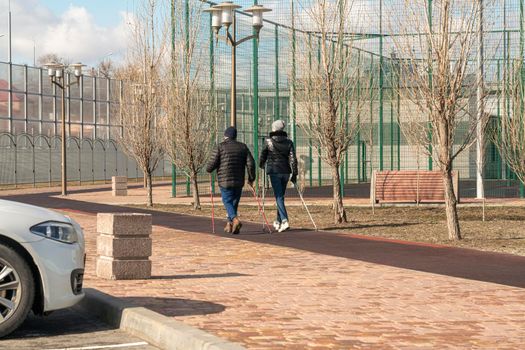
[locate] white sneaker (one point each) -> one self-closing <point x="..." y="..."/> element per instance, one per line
<point x="284" y="226"/>
<point x="276" y="225"/>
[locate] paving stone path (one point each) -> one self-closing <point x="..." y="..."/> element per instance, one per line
<point x="319" y="290"/>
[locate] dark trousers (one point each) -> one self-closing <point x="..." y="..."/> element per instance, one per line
<point x="279" y="183"/>
<point x="231" y="198"/>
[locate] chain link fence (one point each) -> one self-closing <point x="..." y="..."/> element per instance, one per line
<point x="29" y="105"/>
<point x="27" y="160"/>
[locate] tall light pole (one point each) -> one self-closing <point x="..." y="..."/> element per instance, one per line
<point x="223" y="15"/>
<point x="56" y="72"/>
<point x="480" y="190"/>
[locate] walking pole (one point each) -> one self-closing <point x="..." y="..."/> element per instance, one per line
<point x="305" y="206"/>
<point x="212" y="205"/>
<point x="264" y="190"/>
<point x="265" y="221"/>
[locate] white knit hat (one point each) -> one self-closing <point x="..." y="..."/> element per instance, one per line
<point x="278" y="125"/>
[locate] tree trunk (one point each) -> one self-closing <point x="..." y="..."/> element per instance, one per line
<point x="451" y="207"/>
<point x="195" y="188"/>
<point x="149" y="186"/>
<point x="145" y="180"/>
<point x="339" y="210"/>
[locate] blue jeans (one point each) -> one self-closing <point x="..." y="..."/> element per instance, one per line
<point x="279" y="183"/>
<point x="231" y="198"/>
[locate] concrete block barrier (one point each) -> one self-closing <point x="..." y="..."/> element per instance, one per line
<point x="119" y="186"/>
<point x="119" y="193"/>
<point x="123" y="246"/>
<point x="124" y="224"/>
<point x="114" y="269"/>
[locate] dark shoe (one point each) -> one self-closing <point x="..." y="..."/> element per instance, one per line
<point x="236" y="228"/>
<point x="228" y="227"/>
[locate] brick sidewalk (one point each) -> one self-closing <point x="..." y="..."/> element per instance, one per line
<point x="320" y="290"/>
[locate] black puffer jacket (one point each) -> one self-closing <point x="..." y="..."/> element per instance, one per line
<point x="279" y="152"/>
<point x="230" y="159"/>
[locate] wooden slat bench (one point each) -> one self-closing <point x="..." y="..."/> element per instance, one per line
<point x="409" y="186"/>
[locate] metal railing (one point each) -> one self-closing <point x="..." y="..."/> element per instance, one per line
<point x="35" y="160"/>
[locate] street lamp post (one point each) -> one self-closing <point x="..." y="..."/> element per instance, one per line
<point x="56" y="75"/>
<point x="223" y="15"/>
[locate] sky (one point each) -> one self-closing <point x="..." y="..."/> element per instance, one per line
<point x="87" y="31"/>
<point x="92" y="30"/>
<point x="79" y="30"/>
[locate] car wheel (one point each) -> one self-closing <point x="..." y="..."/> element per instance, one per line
<point x="17" y="290"/>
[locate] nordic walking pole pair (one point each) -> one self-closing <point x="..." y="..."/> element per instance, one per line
<point x="266" y="225"/>
<point x="261" y="211"/>
<point x="305" y="206"/>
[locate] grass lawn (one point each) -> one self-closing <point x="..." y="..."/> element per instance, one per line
<point x="503" y="230"/>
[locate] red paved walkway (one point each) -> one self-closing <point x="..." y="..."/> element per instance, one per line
<point x="320" y="290"/>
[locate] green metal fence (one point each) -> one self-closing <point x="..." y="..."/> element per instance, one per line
<point x="266" y="92"/>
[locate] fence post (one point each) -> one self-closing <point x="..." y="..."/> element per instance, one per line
<point x="294" y="77"/>
<point x="381" y="83"/>
<point x="105" y="167"/>
<point x="173" y="180"/>
<point x="255" y="56"/>
<point x="276" y="103"/>
<point x="430" y="77"/>
<point x="80" y="163"/>
<point x="16" y="161"/>
<point x="358" y="136"/>
<point x="50" y="164"/>
<point x="93" y="164"/>
<point x="391" y="116"/>
<point x="34" y="162"/>
<point x="371" y="138"/>
<point x="319" y="172"/>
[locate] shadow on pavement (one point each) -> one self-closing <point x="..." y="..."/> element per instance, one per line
<point x="58" y="323"/>
<point x="173" y="307"/>
<point x="470" y="264"/>
<point x="358" y="226"/>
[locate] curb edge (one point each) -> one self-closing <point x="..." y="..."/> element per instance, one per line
<point x="159" y="330"/>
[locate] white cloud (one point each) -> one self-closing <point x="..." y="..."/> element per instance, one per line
<point x="73" y="34"/>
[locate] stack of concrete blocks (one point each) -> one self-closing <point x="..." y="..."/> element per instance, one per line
<point x="119" y="186"/>
<point x="123" y="246"/>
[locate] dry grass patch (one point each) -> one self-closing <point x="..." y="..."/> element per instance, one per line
<point x="503" y="230"/>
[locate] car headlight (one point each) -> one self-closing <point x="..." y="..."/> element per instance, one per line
<point x="58" y="231"/>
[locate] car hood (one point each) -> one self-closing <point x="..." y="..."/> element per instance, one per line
<point x="10" y="210"/>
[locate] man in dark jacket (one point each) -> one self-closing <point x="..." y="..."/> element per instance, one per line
<point x="230" y="158"/>
<point x="279" y="157"/>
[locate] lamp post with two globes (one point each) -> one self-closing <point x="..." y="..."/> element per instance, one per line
<point x="223" y="15"/>
<point x="56" y="73"/>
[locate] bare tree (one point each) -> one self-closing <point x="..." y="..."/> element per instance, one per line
<point x="438" y="80"/>
<point x="190" y="122"/>
<point x="106" y="68"/>
<point x="328" y="87"/>
<point x="141" y="100"/>
<point x="510" y="132"/>
<point x="51" y="57"/>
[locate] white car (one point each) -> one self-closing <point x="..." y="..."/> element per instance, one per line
<point x="41" y="262"/>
